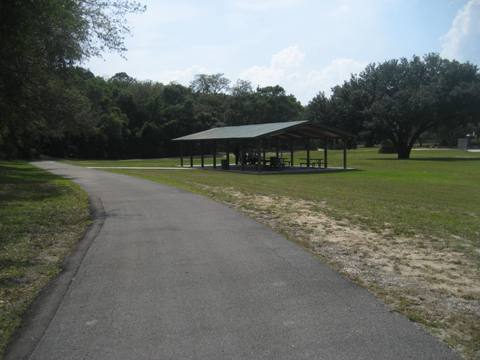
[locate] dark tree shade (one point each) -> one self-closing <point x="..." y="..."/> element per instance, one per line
<point x="41" y="41"/>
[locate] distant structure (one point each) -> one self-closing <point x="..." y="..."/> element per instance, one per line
<point x="470" y="141"/>
<point x="251" y="143"/>
<point x="462" y="143"/>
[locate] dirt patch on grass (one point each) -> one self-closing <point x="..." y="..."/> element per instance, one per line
<point x="419" y="276"/>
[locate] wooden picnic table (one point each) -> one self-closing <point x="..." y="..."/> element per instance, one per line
<point x="313" y="162"/>
<point x="274" y="162"/>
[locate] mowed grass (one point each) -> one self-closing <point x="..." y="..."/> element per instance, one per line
<point x="436" y="193"/>
<point x="42" y="216"/>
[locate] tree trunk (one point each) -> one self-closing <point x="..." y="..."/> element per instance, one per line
<point x="403" y="151"/>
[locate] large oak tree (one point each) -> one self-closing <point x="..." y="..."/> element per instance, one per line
<point x="399" y="100"/>
<point x="411" y="97"/>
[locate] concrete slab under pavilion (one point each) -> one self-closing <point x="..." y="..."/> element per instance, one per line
<point x="287" y="170"/>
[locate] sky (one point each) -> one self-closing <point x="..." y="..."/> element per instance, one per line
<point x="306" y="46"/>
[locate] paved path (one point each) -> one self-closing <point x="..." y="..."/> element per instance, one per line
<point x="141" y="167"/>
<point x="172" y="275"/>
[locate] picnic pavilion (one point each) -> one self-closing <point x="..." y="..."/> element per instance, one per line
<point x="250" y="145"/>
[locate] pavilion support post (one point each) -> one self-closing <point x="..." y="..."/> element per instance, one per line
<point x="202" y="158"/>
<point x="291" y="152"/>
<point x="345" y="154"/>
<point x="191" y="154"/>
<point x="242" y="156"/>
<point x="258" y="155"/>
<point x="277" y="148"/>
<point x="214" y="154"/>
<point x="264" y="154"/>
<point x="308" y="152"/>
<point x="181" y="154"/>
<point x="227" y="153"/>
<point x="325" y="154"/>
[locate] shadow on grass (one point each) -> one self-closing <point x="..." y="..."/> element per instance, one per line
<point x="440" y="159"/>
<point x="14" y="172"/>
<point x="250" y="171"/>
<point x="15" y="276"/>
<point x="23" y="182"/>
<point x="322" y="173"/>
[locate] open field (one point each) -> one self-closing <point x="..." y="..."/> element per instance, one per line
<point x="408" y="230"/>
<point x="435" y="193"/>
<point x="42" y="216"/>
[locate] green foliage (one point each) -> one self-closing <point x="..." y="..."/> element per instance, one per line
<point x="400" y="100"/>
<point x="210" y="84"/>
<point x="50" y="106"/>
<point x="41" y="41"/>
<point x="122" y="117"/>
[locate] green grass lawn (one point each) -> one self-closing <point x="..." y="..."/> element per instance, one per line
<point x="435" y="193"/>
<point x="42" y="216"/>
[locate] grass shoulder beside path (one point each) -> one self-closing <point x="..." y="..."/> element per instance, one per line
<point x="408" y="230"/>
<point x="42" y="216"/>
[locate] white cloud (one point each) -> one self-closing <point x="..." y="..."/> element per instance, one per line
<point x="289" y="57"/>
<point x="462" y="41"/>
<point x="283" y="66"/>
<point x="334" y="73"/>
<point x="286" y="70"/>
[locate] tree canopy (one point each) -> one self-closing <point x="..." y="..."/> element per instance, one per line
<point x="399" y="100"/>
<point x="41" y="40"/>
<point x="50" y="105"/>
<point x="130" y="118"/>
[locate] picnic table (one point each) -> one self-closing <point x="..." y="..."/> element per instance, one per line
<point x="286" y="161"/>
<point x="313" y="162"/>
<point x="274" y="162"/>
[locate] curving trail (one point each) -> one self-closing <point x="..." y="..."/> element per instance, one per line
<point x="173" y="275"/>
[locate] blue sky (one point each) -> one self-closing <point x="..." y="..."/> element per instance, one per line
<point x="304" y="45"/>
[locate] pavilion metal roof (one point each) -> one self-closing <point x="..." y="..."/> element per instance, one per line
<point x="302" y="128"/>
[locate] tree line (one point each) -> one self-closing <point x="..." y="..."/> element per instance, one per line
<point x="129" y="118"/>
<point x="51" y="106"/>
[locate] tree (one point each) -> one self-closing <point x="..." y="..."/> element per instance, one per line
<point x="400" y="100"/>
<point x="122" y="78"/>
<point x="413" y="96"/>
<point x="210" y="84"/>
<point x="40" y="41"/>
<point x="272" y="104"/>
<point x="318" y="109"/>
<point x="242" y="87"/>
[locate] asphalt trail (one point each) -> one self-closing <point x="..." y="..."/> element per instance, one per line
<point x="173" y="275"/>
